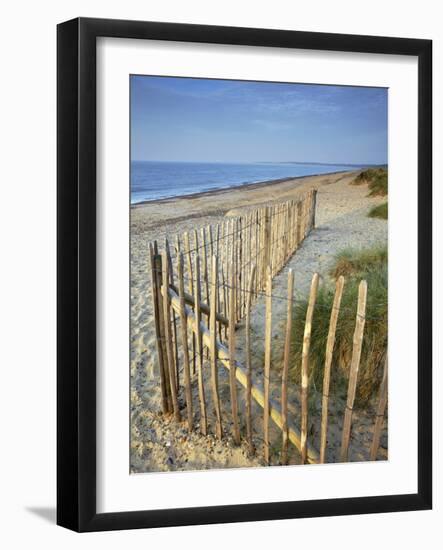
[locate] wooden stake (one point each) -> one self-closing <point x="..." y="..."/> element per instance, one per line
<point x="198" y="349"/>
<point x="219" y="301"/>
<point x="328" y="362"/>
<point x="184" y="337"/>
<point x="205" y="276"/>
<point x="250" y="258"/>
<point x="382" y="402"/>
<point x="205" y="263"/>
<point x="190" y="287"/>
<point x="156" y="266"/>
<point x="225" y="271"/>
<point x="237" y="262"/>
<point x="314" y="207"/>
<point x="257" y="253"/>
<point x="168" y="336"/>
<point x="213" y="347"/>
<point x="232" y="367"/>
<point x="159" y="276"/>
<point x="284" y="381"/>
<point x="305" y="366"/>
<point x="217" y="239"/>
<point x="239" y="282"/>
<point x="299" y="222"/>
<point x="249" y="361"/>
<point x="355" y="364"/>
<point x="174" y="318"/>
<point x="267" y="243"/>
<point x="199" y="339"/>
<point x="210" y="241"/>
<point x="267" y="369"/>
<point x="225" y="297"/>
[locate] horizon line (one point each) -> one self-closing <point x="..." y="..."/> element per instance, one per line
<point x="356" y="164"/>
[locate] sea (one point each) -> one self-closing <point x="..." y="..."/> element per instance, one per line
<point x="153" y="180"/>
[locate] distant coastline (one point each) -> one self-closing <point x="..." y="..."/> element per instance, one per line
<point x="351" y="165"/>
<point x="221" y="190"/>
<point x="154" y="181"/>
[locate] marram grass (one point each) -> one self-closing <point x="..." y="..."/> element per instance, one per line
<point x="354" y="265"/>
<point x="376" y="179"/>
<point x="380" y="211"/>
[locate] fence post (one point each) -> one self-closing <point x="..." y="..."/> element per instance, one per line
<point x="217" y="240"/>
<point x="174" y="318"/>
<point x="184" y="335"/>
<point x="299" y="222"/>
<point x="190" y="287"/>
<point x="355" y="364"/>
<point x="328" y="362"/>
<point x="224" y="285"/>
<point x="201" y="386"/>
<point x="257" y="252"/>
<point x="155" y="268"/>
<point x="305" y="367"/>
<point x="314" y="207"/>
<point x="198" y="349"/>
<point x="232" y="365"/>
<point x="294" y="227"/>
<point x="224" y="272"/>
<point x="267" y="369"/>
<point x="239" y="289"/>
<point x="249" y="361"/>
<point x="210" y="241"/>
<point x="168" y="335"/>
<point x="382" y="402"/>
<point x="266" y="244"/>
<point x="284" y="381"/>
<point x="213" y="347"/>
<point x="159" y="275"/>
<point x="235" y="265"/>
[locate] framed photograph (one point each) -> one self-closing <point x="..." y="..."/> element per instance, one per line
<point x="244" y="261"/>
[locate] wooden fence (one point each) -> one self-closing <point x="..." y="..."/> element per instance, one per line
<point x="198" y="306"/>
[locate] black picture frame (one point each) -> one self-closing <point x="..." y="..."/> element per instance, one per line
<point x="76" y="266"/>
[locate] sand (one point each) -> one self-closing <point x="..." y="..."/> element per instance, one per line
<point x="159" y="444"/>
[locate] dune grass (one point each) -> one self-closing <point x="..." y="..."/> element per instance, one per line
<point x="380" y="211"/>
<point x="354" y="265"/>
<point x="376" y="179"/>
<point x="357" y="263"/>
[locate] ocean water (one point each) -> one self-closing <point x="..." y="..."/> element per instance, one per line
<point x="157" y="180"/>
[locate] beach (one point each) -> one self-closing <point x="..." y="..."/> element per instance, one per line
<point x="159" y="444"/>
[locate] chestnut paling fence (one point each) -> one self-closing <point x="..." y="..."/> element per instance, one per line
<point x="204" y="285"/>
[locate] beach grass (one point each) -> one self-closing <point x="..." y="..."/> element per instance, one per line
<point x="354" y="265"/>
<point x="357" y="263"/>
<point x="380" y="211"/>
<point x="376" y="179"/>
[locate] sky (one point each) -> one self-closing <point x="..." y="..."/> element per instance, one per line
<point x="203" y="120"/>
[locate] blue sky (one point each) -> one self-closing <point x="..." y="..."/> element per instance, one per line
<point x="189" y="119"/>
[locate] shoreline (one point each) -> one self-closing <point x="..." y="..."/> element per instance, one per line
<point x="245" y="186"/>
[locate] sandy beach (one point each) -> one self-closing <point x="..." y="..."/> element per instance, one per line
<point x="341" y="221"/>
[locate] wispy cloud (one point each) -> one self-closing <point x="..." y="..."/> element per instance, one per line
<point x="291" y="104"/>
